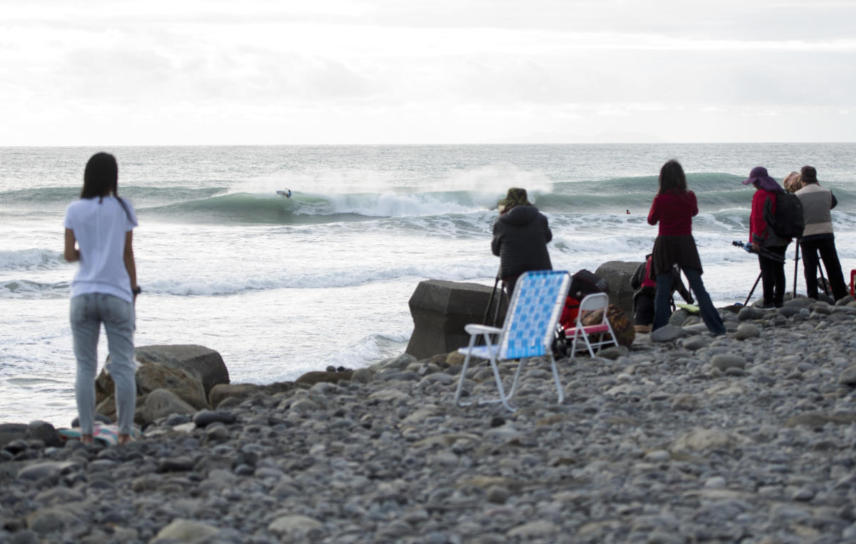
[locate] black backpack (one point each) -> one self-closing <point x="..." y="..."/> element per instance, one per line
<point x="788" y="221"/>
<point x="585" y="283"/>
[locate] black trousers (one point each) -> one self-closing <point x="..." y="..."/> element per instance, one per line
<point x="773" y="277"/>
<point x="826" y="247"/>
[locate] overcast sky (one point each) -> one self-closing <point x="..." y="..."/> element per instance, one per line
<point x="413" y="71"/>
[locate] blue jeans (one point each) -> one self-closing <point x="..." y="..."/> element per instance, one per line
<point x="87" y="314"/>
<point x="664" y="291"/>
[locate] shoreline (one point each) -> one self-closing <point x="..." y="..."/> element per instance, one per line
<point x="745" y="438"/>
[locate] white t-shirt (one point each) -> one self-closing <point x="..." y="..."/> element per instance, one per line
<point x="99" y="226"/>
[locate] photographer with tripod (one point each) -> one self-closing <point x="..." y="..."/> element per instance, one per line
<point x="762" y="236"/>
<point x="818" y="236"/>
<point x="520" y="238"/>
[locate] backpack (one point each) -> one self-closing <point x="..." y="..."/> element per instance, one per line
<point x="585" y="283"/>
<point x="788" y="221"/>
<point x="582" y="283"/>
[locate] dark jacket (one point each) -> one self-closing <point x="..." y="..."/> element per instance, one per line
<point x="520" y="239"/>
<point x="677" y="283"/>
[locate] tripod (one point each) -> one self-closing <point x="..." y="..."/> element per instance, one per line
<point x="490" y="303"/>
<point x="763" y="253"/>
<point x="824" y="283"/>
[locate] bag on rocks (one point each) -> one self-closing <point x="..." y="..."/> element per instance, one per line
<point x="624" y="331"/>
<point x="582" y="283"/>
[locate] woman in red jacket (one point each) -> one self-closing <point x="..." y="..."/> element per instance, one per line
<point x="674" y="208"/>
<point x="762" y="236"/>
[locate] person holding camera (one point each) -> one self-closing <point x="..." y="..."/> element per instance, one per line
<point x="520" y="238"/>
<point x="817" y="237"/>
<point x="762" y="236"/>
<point x="99" y="235"/>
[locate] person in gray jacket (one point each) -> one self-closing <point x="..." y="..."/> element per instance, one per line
<point x="520" y="238"/>
<point x="818" y="236"/>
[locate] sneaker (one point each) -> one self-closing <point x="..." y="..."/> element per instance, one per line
<point x="766" y="306"/>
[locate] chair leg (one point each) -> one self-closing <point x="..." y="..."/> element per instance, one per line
<point x="556" y="377"/>
<point x="588" y="345"/>
<point x="502" y="398"/>
<point x="574" y="346"/>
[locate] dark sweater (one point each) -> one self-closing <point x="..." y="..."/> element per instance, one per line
<point x="520" y="239"/>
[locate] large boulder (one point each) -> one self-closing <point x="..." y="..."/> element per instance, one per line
<point x="441" y="309"/>
<point x="206" y="364"/>
<point x="188" y="371"/>
<point x="619" y="274"/>
<point x="153" y="376"/>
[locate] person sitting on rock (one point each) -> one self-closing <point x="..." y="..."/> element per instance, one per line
<point x="645" y="283"/>
<point x="520" y="238"/>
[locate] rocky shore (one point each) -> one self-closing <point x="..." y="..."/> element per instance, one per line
<point x="685" y="438"/>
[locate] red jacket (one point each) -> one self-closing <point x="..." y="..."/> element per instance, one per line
<point x="674" y="212"/>
<point x="757" y="226"/>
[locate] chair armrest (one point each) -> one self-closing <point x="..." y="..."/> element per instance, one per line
<point x="481" y="329"/>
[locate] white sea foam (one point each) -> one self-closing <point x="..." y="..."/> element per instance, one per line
<point x="23" y="259"/>
<point x="188" y="285"/>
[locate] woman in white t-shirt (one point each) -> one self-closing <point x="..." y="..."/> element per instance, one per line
<point x="104" y="290"/>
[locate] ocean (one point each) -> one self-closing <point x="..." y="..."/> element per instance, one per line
<point x="283" y="286"/>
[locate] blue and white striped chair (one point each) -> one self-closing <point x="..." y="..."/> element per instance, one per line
<point x="529" y="330"/>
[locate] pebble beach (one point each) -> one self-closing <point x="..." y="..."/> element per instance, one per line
<point x="684" y="438"/>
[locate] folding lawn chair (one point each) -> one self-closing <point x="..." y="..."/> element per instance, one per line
<point x="592" y="303"/>
<point x="529" y="330"/>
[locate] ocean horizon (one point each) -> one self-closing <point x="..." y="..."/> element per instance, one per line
<point x="281" y="286"/>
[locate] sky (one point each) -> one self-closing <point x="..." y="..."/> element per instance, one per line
<point x="261" y="72"/>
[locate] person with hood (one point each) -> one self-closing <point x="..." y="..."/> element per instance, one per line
<point x="818" y="236"/>
<point x="645" y="283"/>
<point x="520" y="238"/>
<point x="761" y="235"/>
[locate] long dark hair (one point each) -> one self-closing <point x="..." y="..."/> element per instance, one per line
<point x="101" y="176"/>
<point x="672" y="178"/>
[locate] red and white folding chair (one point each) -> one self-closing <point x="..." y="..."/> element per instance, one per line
<point x="592" y="303"/>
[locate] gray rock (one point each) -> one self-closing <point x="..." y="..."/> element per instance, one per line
<point x="161" y="403"/>
<point x="296" y="527"/>
<point x="677" y="319"/>
<point x="693" y="343"/>
<point x="848" y="377"/>
<point x="724" y="361"/>
<point x="49" y="469"/>
<point x="41" y="430"/>
<point x="24" y="537"/>
<point x="205" y="364"/>
<point x="534" y="529"/>
<point x="498" y="494"/>
<point x="750" y="314"/>
<point x="184" y="530"/>
<point x="9" y="432"/>
<point x="362" y="375"/>
<point x="614" y="352"/>
<point x="669" y="333"/>
<point x="746" y="331"/>
<point x="50" y="520"/>
<point x="203" y="418"/>
<point x="175" y="464"/>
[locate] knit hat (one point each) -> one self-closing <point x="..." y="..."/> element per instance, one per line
<point x="759" y="175"/>
<point x="515" y="197"/>
<point x="808" y="174"/>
